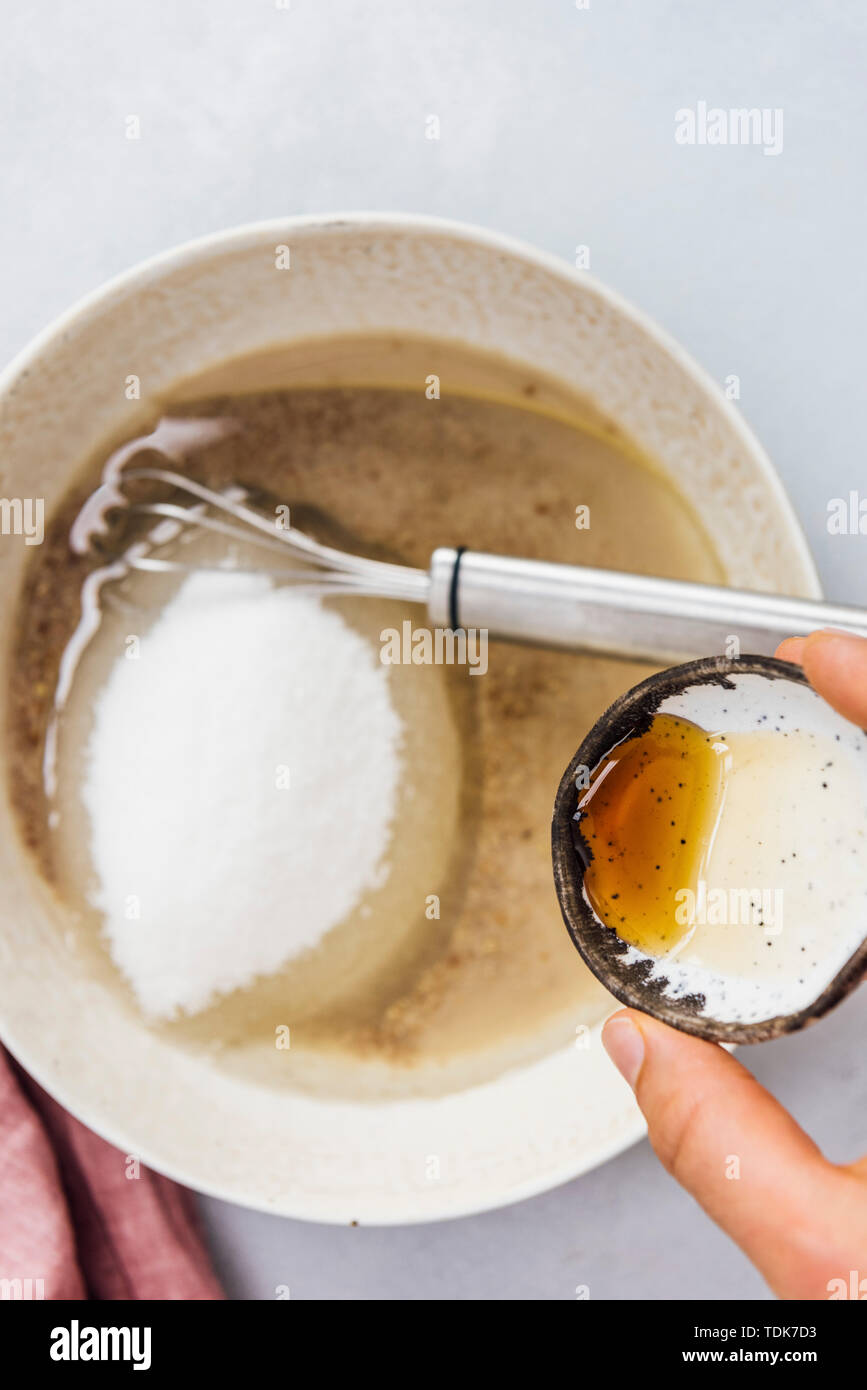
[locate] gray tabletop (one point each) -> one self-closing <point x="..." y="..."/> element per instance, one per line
<point x="558" y="125"/>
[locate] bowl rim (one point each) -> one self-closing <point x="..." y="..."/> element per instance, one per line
<point x="632" y="1129"/>
<point x="250" y="233"/>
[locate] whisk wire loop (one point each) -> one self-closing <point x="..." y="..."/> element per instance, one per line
<point x="327" y="570"/>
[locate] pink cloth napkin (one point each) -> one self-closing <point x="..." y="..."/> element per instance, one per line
<point x="72" y="1218"/>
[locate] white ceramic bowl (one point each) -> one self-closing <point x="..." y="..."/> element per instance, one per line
<point x="176" y="316"/>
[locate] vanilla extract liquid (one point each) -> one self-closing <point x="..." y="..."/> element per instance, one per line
<point x="647" y="822"/>
<point x="738" y="859"/>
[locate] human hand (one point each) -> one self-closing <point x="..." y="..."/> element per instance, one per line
<point x="801" y="1219"/>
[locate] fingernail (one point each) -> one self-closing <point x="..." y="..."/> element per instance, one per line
<point x="625" y="1046"/>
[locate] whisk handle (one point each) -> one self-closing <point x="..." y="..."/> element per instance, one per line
<point x="660" y="620"/>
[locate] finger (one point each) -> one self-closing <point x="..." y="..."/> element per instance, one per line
<point x="741" y="1155"/>
<point x="835" y="664"/>
<point x="791" y="649"/>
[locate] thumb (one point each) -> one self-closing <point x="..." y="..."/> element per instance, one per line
<point x="835" y="664"/>
<point x="741" y="1155"/>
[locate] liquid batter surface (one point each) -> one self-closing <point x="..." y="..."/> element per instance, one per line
<point x="395" y="998"/>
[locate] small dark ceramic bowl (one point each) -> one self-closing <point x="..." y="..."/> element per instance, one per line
<point x="637" y="982"/>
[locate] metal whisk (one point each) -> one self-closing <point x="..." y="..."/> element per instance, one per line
<point x="660" y="620"/>
<point x="332" y="570"/>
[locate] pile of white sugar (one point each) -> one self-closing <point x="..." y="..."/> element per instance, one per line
<point x="242" y="778"/>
